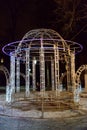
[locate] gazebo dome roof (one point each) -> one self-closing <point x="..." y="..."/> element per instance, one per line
<point x="34" y="39"/>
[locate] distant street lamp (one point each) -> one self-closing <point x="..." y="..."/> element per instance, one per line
<point x="2" y="60"/>
<point x="35" y="61"/>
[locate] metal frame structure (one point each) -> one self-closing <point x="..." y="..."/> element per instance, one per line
<point x="78" y="75"/>
<point x="42" y="45"/>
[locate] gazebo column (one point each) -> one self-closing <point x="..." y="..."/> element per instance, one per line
<point x="73" y="70"/>
<point x="48" y="75"/>
<point x="18" y="75"/>
<point x="68" y="68"/>
<point x="12" y="73"/>
<point x="8" y="93"/>
<point x="52" y="74"/>
<point x="75" y="90"/>
<point x="27" y="73"/>
<point x="56" y="55"/>
<point x="10" y="88"/>
<point x="34" y="74"/>
<point x="42" y="68"/>
<point x="85" y="78"/>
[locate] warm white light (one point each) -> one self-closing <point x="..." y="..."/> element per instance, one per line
<point x="35" y="61"/>
<point x="2" y="60"/>
<point x="29" y="70"/>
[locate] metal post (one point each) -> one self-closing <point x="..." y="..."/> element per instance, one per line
<point x="18" y="75"/>
<point x="42" y="116"/>
<point x="8" y="93"/>
<point x="52" y="73"/>
<point x="48" y="76"/>
<point x="73" y="70"/>
<point x="42" y="68"/>
<point x="85" y="80"/>
<point x="34" y="74"/>
<point x="27" y="73"/>
<point x="68" y="68"/>
<point x="12" y="73"/>
<point x="56" y="55"/>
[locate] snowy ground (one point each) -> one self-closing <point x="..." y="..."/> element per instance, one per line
<point x="8" y="110"/>
<point x="16" y="119"/>
<point x="14" y="123"/>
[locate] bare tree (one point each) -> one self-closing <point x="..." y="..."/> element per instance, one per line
<point x="70" y="14"/>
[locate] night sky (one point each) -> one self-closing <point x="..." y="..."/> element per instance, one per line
<point x="17" y="17"/>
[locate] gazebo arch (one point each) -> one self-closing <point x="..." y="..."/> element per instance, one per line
<point x="6" y="72"/>
<point x="78" y="74"/>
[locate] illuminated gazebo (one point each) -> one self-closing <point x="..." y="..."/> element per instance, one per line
<point x="45" y="55"/>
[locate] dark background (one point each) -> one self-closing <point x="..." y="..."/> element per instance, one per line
<point x="67" y="17"/>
